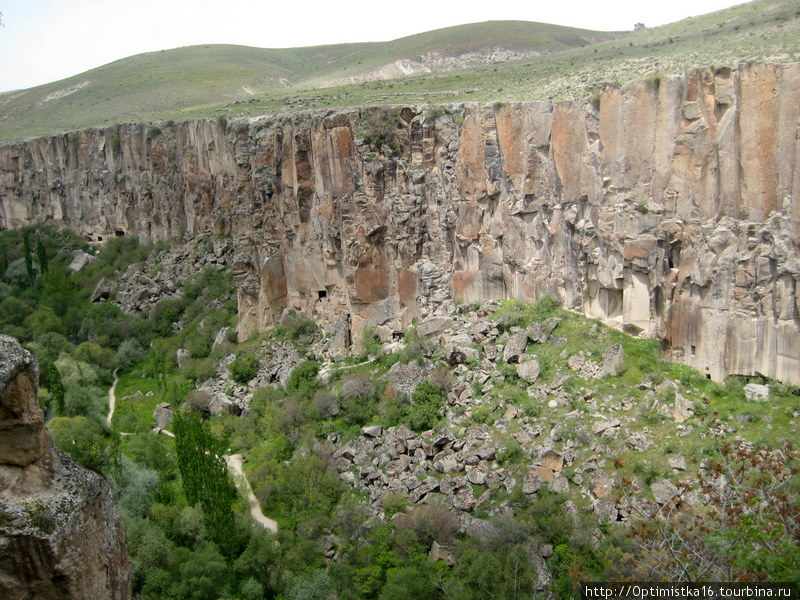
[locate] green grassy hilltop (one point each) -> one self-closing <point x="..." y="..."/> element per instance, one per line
<point x="537" y="62"/>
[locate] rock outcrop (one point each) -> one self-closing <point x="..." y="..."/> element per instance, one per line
<point x="671" y="209"/>
<point x="60" y="535"/>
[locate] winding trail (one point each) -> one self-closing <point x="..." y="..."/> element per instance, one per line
<point x="112" y="399"/>
<point x="234" y="462"/>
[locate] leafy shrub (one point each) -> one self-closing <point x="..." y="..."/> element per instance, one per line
<point x="518" y="313"/>
<point x="380" y="130"/>
<point x="135" y="485"/>
<point x="86" y="441"/>
<point x="360" y="409"/>
<point x="129" y="353"/>
<point x="303" y="379"/>
<point x="371" y="342"/>
<point x="483" y="414"/>
<point x="166" y="314"/>
<point x="425" y="404"/>
<point x="511" y="453"/>
<point x="394" y="502"/>
<point x="244" y="368"/>
<point x="299" y="328"/>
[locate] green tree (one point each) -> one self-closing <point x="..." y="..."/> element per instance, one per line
<point x="3" y="261"/>
<point x="426" y="401"/>
<point x="259" y="560"/>
<point x="44" y="320"/>
<point x="86" y="441"/>
<point x="244" y="368"/>
<point x="57" y="390"/>
<point x="58" y="289"/>
<point x="205" y="476"/>
<point x="26" y="246"/>
<point x="41" y="255"/>
<point x="303" y="380"/>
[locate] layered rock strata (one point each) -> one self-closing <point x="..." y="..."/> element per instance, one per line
<point x="60" y="535"/>
<point x="669" y="208"/>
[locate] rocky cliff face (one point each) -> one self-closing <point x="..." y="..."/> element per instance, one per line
<point x="670" y="209"/>
<point x="60" y="536"/>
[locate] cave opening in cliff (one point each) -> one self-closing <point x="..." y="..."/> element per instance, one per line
<point x="322" y="294"/>
<point x="674" y="256"/>
<point x="119" y="233"/>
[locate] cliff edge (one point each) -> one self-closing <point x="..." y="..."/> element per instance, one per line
<point x="668" y="208"/>
<point x="60" y="535"/>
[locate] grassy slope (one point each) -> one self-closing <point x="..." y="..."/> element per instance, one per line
<point x="202" y="81"/>
<point x="194" y="80"/>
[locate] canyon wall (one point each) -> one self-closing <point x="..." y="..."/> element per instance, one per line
<point x="669" y="208"/>
<point x="60" y="535"/>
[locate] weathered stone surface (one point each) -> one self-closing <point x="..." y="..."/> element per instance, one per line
<point x="604" y="425"/>
<point x="663" y="490"/>
<point x="102" y="290"/>
<point x="659" y="214"/>
<point x="434" y="325"/>
<point x="464" y="500"/>
<point x="220" y="404"/>
<point x="182" y="355"/>
<point x="552" y="460"/>
<point x="373" y="431"/>
<point x="677" y="462"/>
<point x="613" y="358"/>
<point x="559" y="485"/>
<point x="528" y="371"/>
<point x="163" y="415"/>
<point x="22" y="437"/>
<point x="515" y="346"/>
<point x="79" y="260"/>
<point x="601" y="484"/>
<point x="60" y="535"/>
<point x="755" y="392"/>
<point x="683" y="409"/>
<point x="540" y="331"/>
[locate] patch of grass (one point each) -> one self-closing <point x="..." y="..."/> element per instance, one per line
<point x="134" y="409"/>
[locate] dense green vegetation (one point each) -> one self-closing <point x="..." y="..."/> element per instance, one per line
<point x="191" y="536"/>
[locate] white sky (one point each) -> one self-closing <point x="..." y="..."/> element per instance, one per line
<point x="48" y="40"/>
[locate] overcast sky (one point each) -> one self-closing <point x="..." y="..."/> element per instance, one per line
<point x="47" y="40"/>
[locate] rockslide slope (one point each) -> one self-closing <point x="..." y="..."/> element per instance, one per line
<point x="60" y="535"/>
<point x="670" y="208"/>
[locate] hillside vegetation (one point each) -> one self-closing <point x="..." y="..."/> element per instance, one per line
<point x="505" y="449"/>
<point x="197" y="80"/>
<point x="493" y="61"/>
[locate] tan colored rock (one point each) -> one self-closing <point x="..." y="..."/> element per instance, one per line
<point x="552" y="460"/>
<point x="601" y="484"/>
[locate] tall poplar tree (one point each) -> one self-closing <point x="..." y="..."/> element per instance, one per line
<point x="26" y="247"/>
<point x="205" y="476"/>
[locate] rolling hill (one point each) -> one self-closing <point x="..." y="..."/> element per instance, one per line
<point x="491" y="61"/>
